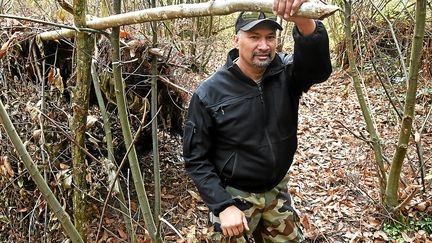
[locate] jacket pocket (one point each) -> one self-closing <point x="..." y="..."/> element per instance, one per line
<point x="228" y="167"/>
<point x="188" y="134"/>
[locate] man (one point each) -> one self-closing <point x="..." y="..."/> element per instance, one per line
<point x="241" y="131"/>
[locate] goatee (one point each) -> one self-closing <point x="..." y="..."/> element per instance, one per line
<point x="261" y="64"/>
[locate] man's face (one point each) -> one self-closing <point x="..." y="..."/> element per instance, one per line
<point x="257" y="47"/>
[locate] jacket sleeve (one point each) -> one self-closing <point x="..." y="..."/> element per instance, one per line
<point x="197" y="143"/>
<point x="311" y="62"/>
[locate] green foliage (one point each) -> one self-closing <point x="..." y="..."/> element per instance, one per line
<point x="394" y="230"/>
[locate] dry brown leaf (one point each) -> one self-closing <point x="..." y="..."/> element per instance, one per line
<point x="109" y="221"/>
<point x="88" y="177"/>
<point x="381" y="235"/>
<point x="168" y="196"/>
<point x="406" y="237"/>
<point x="91" y="120"/>
<point x="340" y="226"/>
<point x="422" y="206"/>
<point x="202" y="208"/>
<point x="373" y="222"/>
<point x="51" y="75"/>
<point x="21" y="210"/>
<point x="64" y="166"/>
<point x="5" y="46"/>
<point x="37" y="134"/>
<point x="8" y="166"/>
<point x="55" y="79"/>
<point x="305" y="222"/>
<point x="104" y="237"/>
<point x="195" y="195"/>
<point x="134" y="206"/>
<point x="328" y="199"/>
<point x="122" y="234"/>
<point x="147" y="237"/>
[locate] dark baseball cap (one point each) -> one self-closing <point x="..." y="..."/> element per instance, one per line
<point x="248" y="20"/>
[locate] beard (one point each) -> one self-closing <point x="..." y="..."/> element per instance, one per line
<point x="261" y="64"/>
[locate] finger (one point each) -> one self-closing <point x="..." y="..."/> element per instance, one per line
<point x="287" y="12"/>
<point x="240" y="228"/>
<point x="281" y="7"/>
<point x="295" y="7"/>
<point x="224" y="231"/>
<point x="275" y="6"/>
<point x="236" y="231"/>
<point x="232" y="231"/>
<point x="245" y="223"/>
<point x="229" y="230"/>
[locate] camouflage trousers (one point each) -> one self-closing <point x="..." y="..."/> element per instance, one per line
<point x="271" y="216"/>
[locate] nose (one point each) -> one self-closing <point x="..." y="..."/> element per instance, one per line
<point x="263" y="45"/>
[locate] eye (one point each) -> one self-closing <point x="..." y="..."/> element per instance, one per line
<point x="254" y="37"/>
<point x="271" y="37"/>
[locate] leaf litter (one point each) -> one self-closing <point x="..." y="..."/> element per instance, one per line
<point x="333" y="178"/>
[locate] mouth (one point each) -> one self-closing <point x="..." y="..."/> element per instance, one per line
<point x="262" y="56"/>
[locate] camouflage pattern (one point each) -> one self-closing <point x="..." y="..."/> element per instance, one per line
<point x="271" y="216"/>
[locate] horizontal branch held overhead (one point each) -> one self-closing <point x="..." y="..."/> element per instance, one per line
<point x="312" y="10"/>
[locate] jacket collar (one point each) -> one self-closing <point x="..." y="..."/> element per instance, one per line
<point x="275" y="66"/>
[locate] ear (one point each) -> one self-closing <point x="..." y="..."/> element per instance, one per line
<point x="236" y="41"/>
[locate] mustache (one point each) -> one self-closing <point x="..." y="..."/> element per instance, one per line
<point x="261" y="54"/>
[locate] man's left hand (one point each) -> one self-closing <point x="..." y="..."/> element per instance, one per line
<point x="286" y="9"/>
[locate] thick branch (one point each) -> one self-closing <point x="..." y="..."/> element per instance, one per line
<point x="308" y="10"/>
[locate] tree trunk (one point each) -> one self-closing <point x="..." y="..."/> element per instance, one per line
<point x="376" y="143"/>
<point x="391" y="199"/>
<point x="80" y="102"/>
<point x="155" y="142"/>
<point x="127" y="134"/>
<point x="111" y="159"/>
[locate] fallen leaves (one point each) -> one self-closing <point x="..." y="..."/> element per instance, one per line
<point x="6" y="167"/>
<point x="333" y="178"/>
<point x="6" y="45"/>
<point x="55" y="79"/>
<point x="195" y="195"/>
<point x="305" y="222"/>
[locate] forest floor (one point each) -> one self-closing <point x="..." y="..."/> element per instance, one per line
<point x="333" y="177"/>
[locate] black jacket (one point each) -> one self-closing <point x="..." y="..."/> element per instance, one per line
<point x="244" y="135"/>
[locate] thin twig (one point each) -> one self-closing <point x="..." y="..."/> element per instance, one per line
<point x="406" y="201"/>
<point x="355" y="135"/>
<point x="165" y="80"/>
<point x="362" y="138"/>
<point x="10" y="16"/>
<point x="110" y="206"/>
<point x="171" y="226"/>
<point x="112" y="233"/>
<point x="401" y="57"/>
<point x="68" y="136"/>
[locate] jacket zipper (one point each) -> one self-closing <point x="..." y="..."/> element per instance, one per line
<point x="265" y="127"/>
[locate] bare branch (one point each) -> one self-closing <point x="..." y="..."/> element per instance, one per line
<point x="310" y="10"/>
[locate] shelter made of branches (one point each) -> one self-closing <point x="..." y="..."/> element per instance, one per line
<point x="36" y="78"/>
